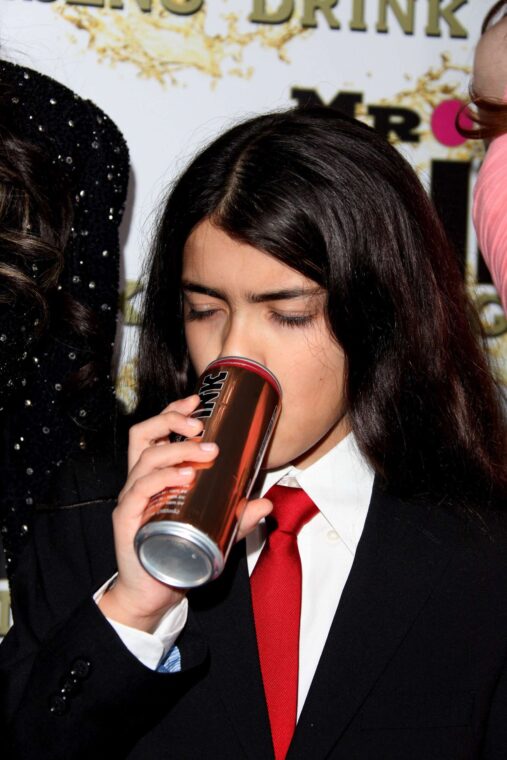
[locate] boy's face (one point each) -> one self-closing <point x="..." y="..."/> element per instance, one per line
<point x="239" y="301"/>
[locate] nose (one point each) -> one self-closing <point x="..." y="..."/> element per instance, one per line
<point x="242" y="338"/>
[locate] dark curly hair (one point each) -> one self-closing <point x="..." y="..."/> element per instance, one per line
<point x="36" y="214"/>
<point x="35" y="219"/>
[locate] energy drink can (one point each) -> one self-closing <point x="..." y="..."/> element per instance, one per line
<point x="189" y="530"/>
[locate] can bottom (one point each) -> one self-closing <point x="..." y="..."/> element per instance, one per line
<point x="178" y="554"/>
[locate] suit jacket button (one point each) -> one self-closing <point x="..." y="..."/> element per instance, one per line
<point x="58" y="704"/>
<point x="81" y="668"/>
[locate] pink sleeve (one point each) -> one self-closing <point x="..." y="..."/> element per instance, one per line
<point x="490" y="213"/>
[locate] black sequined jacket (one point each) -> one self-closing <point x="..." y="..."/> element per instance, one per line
<point x="40" y="424"/>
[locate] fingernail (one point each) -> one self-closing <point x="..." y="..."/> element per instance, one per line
<point x="208" y="446"/>
<point x="192" y="422"/>
<point x="186" y="471"/>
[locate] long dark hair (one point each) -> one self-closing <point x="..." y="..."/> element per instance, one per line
<point x="35" y="219"/>
<point x="332" y="199"/>
<point x="36" y="214"/>
<point x="490" y="118"/>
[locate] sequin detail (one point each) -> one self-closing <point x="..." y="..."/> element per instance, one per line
<point x="44" y="424"/>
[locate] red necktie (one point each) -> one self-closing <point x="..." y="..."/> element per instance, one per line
<point x="276" y="598"/>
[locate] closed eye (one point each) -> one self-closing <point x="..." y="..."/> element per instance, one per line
<point x="286" y="320"/>
<point x="194" y="315"/>
<point x="292" y="320"/>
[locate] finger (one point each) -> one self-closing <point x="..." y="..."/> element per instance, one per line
<point x="183" y="405"/>
<point x="175" y="422"/>
<point x="255" y="510"/>
<point x="157" y="429"/>
<point x="171" y="454"/>
<point x="133" y="503"/>
<point x="158" y="426"/>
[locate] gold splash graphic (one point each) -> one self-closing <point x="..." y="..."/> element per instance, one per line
<point x="431" y="88"/>
<point x="131" y="302"/>
<point x="494" y="322"/>
<point x="161" y="45"/>
<point x="126" y="383"/>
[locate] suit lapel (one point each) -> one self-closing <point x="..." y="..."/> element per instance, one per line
<point x="226" y="617"/>
<point x="396" y="566"/>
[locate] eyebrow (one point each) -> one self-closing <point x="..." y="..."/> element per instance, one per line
<point x="273" y="295"/>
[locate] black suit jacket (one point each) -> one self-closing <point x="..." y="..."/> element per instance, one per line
<point x="413" y="668"/>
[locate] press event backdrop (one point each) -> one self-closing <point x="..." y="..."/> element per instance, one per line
<point x="174" y="73"/>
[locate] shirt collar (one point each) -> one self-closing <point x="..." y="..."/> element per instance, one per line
<point x="340" y="484"/>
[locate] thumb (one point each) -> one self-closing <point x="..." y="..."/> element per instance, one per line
<point x="255" y="510"/>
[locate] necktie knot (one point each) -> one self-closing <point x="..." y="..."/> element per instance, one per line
<point x="292" y="508"/>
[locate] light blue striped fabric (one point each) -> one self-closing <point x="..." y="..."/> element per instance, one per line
<point x="171" y="662"/>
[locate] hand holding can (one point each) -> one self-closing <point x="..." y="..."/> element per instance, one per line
<point x="190" y="529"/>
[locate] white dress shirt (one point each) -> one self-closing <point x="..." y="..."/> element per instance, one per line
<point x="340" y="484"/>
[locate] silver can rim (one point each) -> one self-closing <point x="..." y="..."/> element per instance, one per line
<point x="196" y="539"/>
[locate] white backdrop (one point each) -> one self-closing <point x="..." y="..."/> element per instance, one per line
<point x="171" y="80"/>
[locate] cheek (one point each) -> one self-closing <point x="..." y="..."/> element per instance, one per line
<point x="312" y="401"/>
<point x="312" y="375"/>
<point x="315" y="399"/>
